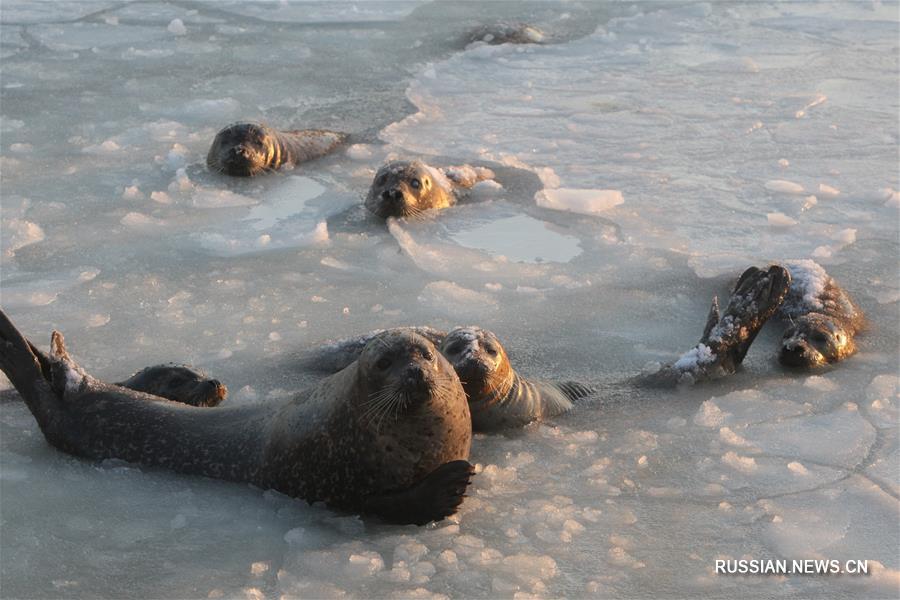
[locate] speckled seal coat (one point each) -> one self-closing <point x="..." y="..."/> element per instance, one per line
<point x="247" y="149"/>
<point x="388" y="435"/>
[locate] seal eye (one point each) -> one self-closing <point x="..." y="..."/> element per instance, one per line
<point x="491" y="349"/>
<point x="818" y="337"/>
<point x="415" y="184"/>
<point x="428" y="355"/>
<point x="383" y="363"/>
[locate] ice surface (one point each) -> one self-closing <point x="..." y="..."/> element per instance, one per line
<point x="645" y="155"/>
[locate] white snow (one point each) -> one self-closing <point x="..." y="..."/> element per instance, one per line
<point x="644" y="155"/>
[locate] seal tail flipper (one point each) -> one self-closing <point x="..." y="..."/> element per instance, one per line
<point x="574" y="390"/>
<point x="756" y="297"/>
<point x="725" y="342"/>
<point x="435" y="497"/>
<point x="554" y="398"/>
<point x="466" y="176"/>
<point x="25" y="370"/>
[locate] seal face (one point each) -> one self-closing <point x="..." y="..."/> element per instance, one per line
<point x="247" y="149"/>
<point x="481" y="362"/>
<point x="178" y="383"/>
<point x="822" y="319"/>
<point x="389" y="435"/>
<point x="407" y="189"/>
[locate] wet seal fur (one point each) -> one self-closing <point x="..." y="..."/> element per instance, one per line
<point x="822" y="323"/>
<point x="389" y="435"/>
<point x="822" y="318"/>
<point x="499" y="397"/>
<point x="403" y="188"/>
<point x="247" y="149"/>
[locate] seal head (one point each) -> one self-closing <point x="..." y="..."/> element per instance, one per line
<point x="407" y="189"/>
<point x="242" y="149"/>
<point x="179" y="383"/>
<point x="814" y="340"/>
<point x="481" y="363"/>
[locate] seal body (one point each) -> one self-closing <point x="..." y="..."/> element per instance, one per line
<point x="389" y="435"/>
<point x="178" y="383"/>
<point x="409" y="188"/>
<point x="498" y="396"/>
<point x="247" y="149"/>
<point x="822" y="318"/>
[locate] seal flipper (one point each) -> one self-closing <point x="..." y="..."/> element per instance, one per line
<point x="757" y="295"/>
<point x="574" y="390"/>
<point x="26" y="371"/>
<point x="433" y="498"/>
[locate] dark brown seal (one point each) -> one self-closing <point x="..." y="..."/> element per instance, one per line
<point x="404" y="188"/>
<point x="246" y="149"/>
<point x="389" y="435"/>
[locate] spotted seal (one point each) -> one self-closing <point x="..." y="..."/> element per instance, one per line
<point x="389" y="435"/>
<point x="247" y="149"/>
<point x="499" y="397"/>
<point x="822" y="318"/>
<point x="403" y="188"/>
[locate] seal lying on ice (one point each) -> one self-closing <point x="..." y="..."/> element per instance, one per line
<point x="389" y="435"/>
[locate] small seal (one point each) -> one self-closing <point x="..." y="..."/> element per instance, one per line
<point x="822" y="318"/>
<point x="499" y="397"/>
<point x="506" y="32"/>
<point x="404" y="188"/>
<point x="179" y="383"/>
<point x="247" y="149"/>
<point x="822" y="321"/>
<point x="388" y="436"/>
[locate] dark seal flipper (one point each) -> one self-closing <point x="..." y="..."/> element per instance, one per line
<point x="435" y="497"/>
<point x="25" y="370"/>
<point x="727" y="337"/>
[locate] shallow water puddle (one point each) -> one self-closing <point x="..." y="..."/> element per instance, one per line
<point x="518" y="237"/>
